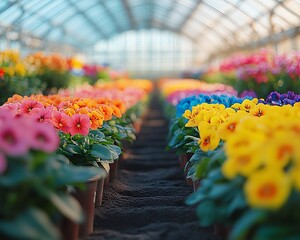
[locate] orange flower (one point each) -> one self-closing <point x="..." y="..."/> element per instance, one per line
<point x="106" y="111"/>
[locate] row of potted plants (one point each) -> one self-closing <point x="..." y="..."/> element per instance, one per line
<point x="244" y="162"/>
<point x="51" y="143"/>
<point x="46" y="73"/>
<point x="261" y="72"/>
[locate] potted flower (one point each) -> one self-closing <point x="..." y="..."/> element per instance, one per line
<point x="34" y="180"/>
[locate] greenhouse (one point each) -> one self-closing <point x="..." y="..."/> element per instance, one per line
<point x="149" y="119"/>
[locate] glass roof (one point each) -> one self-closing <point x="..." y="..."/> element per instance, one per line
<point x="214" y="24"/>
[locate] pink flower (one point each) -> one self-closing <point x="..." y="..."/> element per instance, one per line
<point x="3" y="163"/>
<point x="42" y="114"/>
<point x="61" y="121"/>
<point x="5" y="116"/>
<point x="13" y="139"/>
<point x="80" y="123"/>
<point x="45" y="138"/>
<point x="12" y="107"/>
<point x="28" y="105"/>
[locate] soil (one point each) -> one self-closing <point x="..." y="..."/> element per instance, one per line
<point x="147" y="200"/>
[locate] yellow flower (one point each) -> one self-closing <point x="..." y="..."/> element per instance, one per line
<point x="227" y="113"/>
<point x="259" y="110"/>
<point x="187" y="114"/>
<point x="280" y="150"/>
<point x="243" y="142"/>
<point x="194" y="116"/>
<point x="237" y="106"/>
<point x="208" y="140"/>
<point x="267" y="188"/>
<point x="243" y="164"/>
<point x="193" y="122"/>
<point x="20" y="69"/>
<point x="247" y="105"/>
<point x="228" y="127"/>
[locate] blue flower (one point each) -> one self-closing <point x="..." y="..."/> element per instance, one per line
<point x="189" y="102"/>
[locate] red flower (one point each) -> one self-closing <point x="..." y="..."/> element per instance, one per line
<point x="28" y="105"/>
<point x="42" y="114"/>
<point x="61" y="121"/>
<point x="80" y="123"/>
<point x="2" y="73"/>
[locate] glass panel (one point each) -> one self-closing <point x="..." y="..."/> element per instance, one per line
<point x="285" y="14"/>
<point x="221" y="6"/>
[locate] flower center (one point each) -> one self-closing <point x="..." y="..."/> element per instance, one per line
<point x="243" y="160"/>
<point x="78" y="125"/>
<point x="268" y="190"/>
<point x="9" y="137"/>
<point x="206" y="141"/>
<point x="231" y="127"/>
<point x="284" y="151"/>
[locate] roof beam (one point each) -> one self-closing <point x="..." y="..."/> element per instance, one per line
<point x="274" y="39"/>
<point x="129" y="14"/>
<point x="287" y="8"/>
<point x="31" y="13"/>
<point x="111" y="15"/>
<point x="188" y="17"/>
<point x="86" y="17"/>
<point x="8" y="5"/>
<point x="152" y="6"/>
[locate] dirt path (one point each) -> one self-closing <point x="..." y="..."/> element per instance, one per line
<point x="146" y="202"/>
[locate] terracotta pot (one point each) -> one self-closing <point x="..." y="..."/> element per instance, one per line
<point x="113" y="172"/>
<point x="196" y="185"/>
<point x="99" y="192"/>
<point x="86" y="199"/>
<point x="183" y="159"/>
<point x="69" y="230"/>
<point x="222" y="231"/>
<point x="125" y="145"/>
<point x="106" y="180"/>
<point x="137" y="126"/>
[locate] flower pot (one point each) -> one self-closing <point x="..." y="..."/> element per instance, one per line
<point x="137" y="126"/>
<point x="106" y="180"/>
<point x="99" y="192"/>
<point x="196" y="185"/>
<point x="183" y="159"/>
<point x="125" y="145"/>
<point x="69" y="230"/>
<point x="86" y="199"/>
<point x="221" y="230"/>
<point x="113" y="171"/>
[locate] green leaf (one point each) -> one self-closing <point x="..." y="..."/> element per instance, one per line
<point x="245" y="223"/>
<point x="19" y="174"/>
<point x="201" y="168"/>
<point x="69" y="174"/>
<point x="97" y="133"/>
<point x="31" y="224"/>
<point x="67" y="205"/>
<point x="115" y="149"/>
<point x="220" y="190"/>
<point x="74" y="149"/>
<point x="102" y="152"/>
<point x="196" y="197"/>
<point x="277" y="232"/>
<point x="238" y="202"/>
<point x="206" y="212"/>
